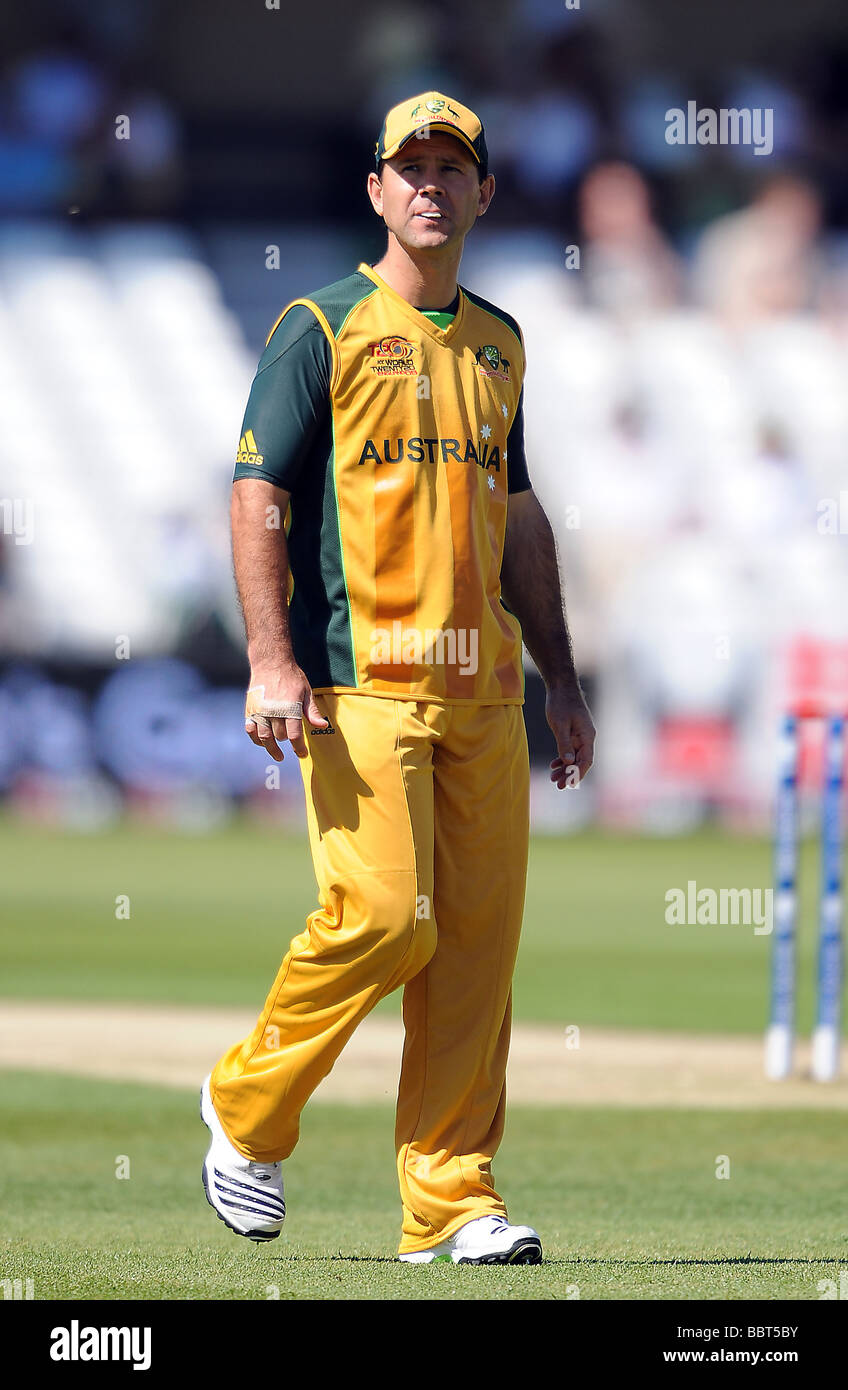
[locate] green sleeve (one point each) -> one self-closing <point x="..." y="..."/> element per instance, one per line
<point x="518" y="479"/>
<point x="289" y="403"/>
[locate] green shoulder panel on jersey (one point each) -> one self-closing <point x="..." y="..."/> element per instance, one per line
<point x="497" y="313"/>
<point x="294" y="323"/>
<point x="334" y="302"/>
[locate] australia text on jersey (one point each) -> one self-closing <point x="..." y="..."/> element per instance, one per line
<point x="414" y="449"/>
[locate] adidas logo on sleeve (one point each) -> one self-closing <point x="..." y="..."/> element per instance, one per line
<point x="248" y="451"/>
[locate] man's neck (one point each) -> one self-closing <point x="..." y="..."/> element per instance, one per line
<point x="425" y="281"/>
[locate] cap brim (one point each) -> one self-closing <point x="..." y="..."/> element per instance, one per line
<point x="443" y="126"/>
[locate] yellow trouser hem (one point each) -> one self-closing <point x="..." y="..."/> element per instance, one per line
<point x="413" y="1247"/>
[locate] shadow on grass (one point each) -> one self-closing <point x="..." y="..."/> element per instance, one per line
<point x="730" y="1260"/>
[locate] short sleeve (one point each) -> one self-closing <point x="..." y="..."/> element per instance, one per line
<point x="518" y="479"/>
<point x="289" y="401"/>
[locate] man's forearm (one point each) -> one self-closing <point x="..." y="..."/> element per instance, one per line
<point x="260" y="562"/>
<point x="530" y="583"/>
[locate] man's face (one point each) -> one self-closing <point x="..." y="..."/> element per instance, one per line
<point x="430" y="195"/>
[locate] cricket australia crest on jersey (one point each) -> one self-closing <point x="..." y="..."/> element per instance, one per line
<point x="490" y="363"/>
<point x="392" y="356"/>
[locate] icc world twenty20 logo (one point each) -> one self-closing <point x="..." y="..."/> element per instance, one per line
<point x="392" y="356"/>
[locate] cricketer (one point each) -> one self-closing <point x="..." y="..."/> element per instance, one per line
<point x="390" y="556"/>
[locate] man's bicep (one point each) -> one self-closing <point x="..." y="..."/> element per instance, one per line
<point x="253" y="494"/>
<point x="522" y="514"/>
<point x="522" y="504"/>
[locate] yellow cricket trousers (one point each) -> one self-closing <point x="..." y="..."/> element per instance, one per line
<point x="418" y="819"/>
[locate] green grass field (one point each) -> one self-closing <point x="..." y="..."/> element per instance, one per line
<point x="626" y="1200"/>
<point x="595" y="948"/>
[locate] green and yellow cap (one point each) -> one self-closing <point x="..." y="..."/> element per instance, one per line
<point x="432" y="111"/>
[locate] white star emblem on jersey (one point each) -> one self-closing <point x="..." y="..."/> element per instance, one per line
<point x="490" y="480"/>
<point x="485" y="431"/>
<point x="504" y="410"/>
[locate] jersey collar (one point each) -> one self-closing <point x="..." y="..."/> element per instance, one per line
<point x="441" y="335"/>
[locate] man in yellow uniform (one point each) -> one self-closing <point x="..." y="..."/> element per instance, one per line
<point x="390" y="554"/>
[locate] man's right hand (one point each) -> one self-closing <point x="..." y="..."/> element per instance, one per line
<point x="287" y="685"/>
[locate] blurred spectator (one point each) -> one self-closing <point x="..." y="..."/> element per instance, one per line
<point x="646" y="98"/>
<point x="58" y="142"/>
<point x="565" y="107"/>
<point x="395" y="58"/>
<point x="147" y="165"/>
<point x="50" y="106"/>
<point x="753" y="90"/>
<point x="763" y="495"/>
<point x="58" y="94"/>
<point x="628" y="495"/>
<point x="557" y="137"/>
<point x="628" y="267"/>
<point x="765" y="259"/>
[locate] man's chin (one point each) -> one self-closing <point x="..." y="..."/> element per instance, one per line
<point x="428" y="238"/>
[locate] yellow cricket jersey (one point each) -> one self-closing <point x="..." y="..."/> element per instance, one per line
<point x="399" y="442"/>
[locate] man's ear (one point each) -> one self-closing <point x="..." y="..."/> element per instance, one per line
<point x="375" y="193"/>
<point x="487" y="193"/>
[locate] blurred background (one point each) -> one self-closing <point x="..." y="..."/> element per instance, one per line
<point x="171" y="176"/>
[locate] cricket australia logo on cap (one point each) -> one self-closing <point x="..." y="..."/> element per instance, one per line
<point x="436" y="106"/>
<point x="392" y="356"/>
<point x="490" y="363"/>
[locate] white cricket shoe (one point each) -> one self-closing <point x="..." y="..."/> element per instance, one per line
<point x="246" y="1196"/>
<point x="488" y="1240"/>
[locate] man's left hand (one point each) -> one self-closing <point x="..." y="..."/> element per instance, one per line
<point x="571" y="724"/>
